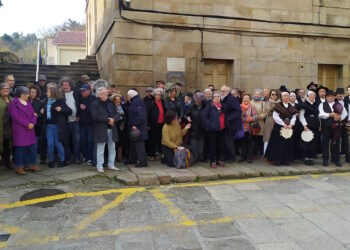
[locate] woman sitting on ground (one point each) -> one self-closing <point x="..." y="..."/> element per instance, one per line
<point x="172" y="137"/>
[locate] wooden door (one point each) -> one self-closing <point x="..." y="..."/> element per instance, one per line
<point x="329" y="75"/>
<point x="217" y="72"/>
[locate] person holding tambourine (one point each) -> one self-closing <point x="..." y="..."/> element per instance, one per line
<point x="281" y="145"/>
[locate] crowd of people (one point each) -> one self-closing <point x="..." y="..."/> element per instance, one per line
<point x="90" y="122"/>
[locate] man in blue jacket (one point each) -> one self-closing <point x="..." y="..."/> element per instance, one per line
<point x="233" y="121"/>
<point x="138" y="129"/>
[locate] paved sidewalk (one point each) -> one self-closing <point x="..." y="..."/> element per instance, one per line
<point x="159" y="174"/>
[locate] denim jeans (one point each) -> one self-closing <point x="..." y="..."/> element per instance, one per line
<point x="86" y="142"/>
<point x="25" y="155"/>
<point x="52" y="141"/>
<point x="74" y="141"/>
<point x="101" y="151"/>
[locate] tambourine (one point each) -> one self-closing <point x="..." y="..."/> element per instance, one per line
<point x="286" y="133"/>
<point x="307" y="136"/>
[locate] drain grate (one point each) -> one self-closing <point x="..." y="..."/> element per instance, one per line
<point x="40" y="193"/>
<point x="4" y="237"/>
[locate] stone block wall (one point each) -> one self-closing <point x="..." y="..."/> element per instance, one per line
<point x="263" y="54"/>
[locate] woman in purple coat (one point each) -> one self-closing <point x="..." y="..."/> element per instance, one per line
<point x="23" y="131"/>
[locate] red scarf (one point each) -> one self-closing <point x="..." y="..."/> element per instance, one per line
<point x="161" y="111"/>
<point x="222" y="115"/>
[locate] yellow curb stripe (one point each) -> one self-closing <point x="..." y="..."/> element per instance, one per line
<point x="67" y="196"/>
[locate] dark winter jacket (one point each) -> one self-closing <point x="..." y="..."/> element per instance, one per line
<point x="59" y="118"/>
<point x="100" y="112"/>
<point x="174" y="106"/>
<point x="85" y="118"/>
<point x="138" y="117"/>
<point x="153" y="113"/>
<point x="37" y="106"/>
<point x="233" y="111"/>
<point x="196" y="130"/>
<point x="211" y="118"/>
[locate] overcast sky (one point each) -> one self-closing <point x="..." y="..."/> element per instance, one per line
<point x="29" y="16"/>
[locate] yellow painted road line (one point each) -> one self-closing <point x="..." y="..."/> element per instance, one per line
<point x="173" y="209"/>
<point x="67" y="196"/>
<point x="341" y="174"/>
<point x="99" y="213"/>
<point x="158" y="227"/>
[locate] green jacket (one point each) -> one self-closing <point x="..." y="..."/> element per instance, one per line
<point x="5" y="123"/>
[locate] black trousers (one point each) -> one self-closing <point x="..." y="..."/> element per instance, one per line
<point x="6" y="151"/>
<point x="155" y="139"/>
<point x="327" y="134"/>
<point x="258" y="145"/>
<point x="216" y="146"/>
<point x="345" y="142"/>
<point x="247" y="146"/>
<point x="229" y="145"/>
<point x="168" y="156"/>
<point x="137" y="152"/>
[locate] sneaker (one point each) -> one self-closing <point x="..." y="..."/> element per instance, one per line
<point x="87" y="163"/>
<point x="113" y="168"/>
<point x="100" y="170"/>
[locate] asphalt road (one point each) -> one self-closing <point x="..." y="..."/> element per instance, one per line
<point x="296" y="212"/>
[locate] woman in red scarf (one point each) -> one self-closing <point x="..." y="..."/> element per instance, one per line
<point x="249" y="116"/>
<point x="213" y="118"/>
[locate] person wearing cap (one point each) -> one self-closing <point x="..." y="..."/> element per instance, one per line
<point x="42" y="86"/>
<point x="138" y="130"/>
<point x="84" y="79"/>
<point x="308" y="116"/>
<point x="344" y="148"/>
<point x="180" y="95"/>
<point x="329" y="122"/>
<point x="86" y="123"/>
<point x="321" y="94"/>
<point x="148" y="99"/>
<point x="156" y="113"/>
<point x="280" y="149"/>
<point x="312" y="86"/>
<point x="188" y="102"/>
<point x="23" y="120"/>
<point x="160" y="84"/>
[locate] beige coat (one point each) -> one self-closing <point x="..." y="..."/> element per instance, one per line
<point x="261" y="113"/>
<point x="269" y="119"/>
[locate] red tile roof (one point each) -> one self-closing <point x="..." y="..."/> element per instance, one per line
<point x="70" y="38"/>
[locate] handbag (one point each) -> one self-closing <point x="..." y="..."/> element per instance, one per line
<point x="255" y="126"/>
<point x="239" y="134"/>
<point x="135" y="134"/>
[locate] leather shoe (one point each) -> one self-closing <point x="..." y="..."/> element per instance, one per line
<point x="338" y="164"/>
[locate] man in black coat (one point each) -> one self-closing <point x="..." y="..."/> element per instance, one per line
<point x="86" y="123"/>
<point x="105" y="118"/>
<point x="344" y="149"/>
<point x="233" y="121"/>
<point x="138" y="130"/>
<point x="148" y="100"/>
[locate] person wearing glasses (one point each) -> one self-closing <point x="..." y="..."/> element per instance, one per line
<point x="213" y="119"/>
<point x="5" y="125"/>
<point x="23" y="120"/>
<point x="273" y="100"/>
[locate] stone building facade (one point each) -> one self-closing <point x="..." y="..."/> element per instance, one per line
<point x="242" y="43"/>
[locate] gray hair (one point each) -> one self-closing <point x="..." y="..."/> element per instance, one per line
<point x="20" y="90"/>
<point x="199" y="96"/>
<point x="100" y="83"/>
<point x="158" y="91"/>
<point x="4" y="84"/>
<point x="99" y="90"/>
<point x="208" y="90"/>
<point x="260" y="91"/>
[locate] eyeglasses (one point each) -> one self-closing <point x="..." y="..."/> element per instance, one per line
<point x="273" y="94"/>
<point x="6" y="88"/>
